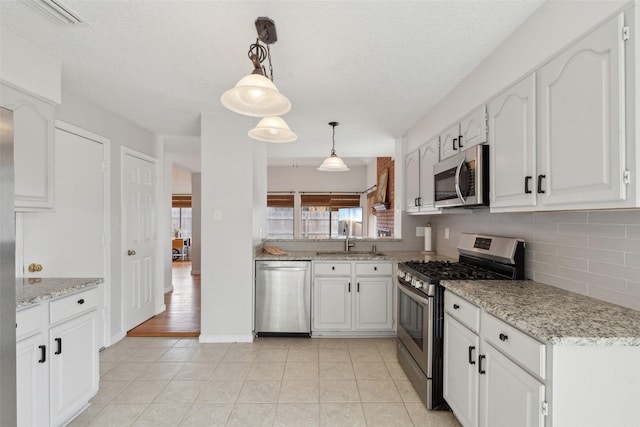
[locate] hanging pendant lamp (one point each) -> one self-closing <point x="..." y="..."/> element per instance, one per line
<point x="273" y="129"/>
<point x="255" y="95"/>
<point x="333" y="163"/>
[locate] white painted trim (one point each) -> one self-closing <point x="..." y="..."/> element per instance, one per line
<point x="106" y="158"/>
<point x="225" y="338"/>
<point x="159" y="296"/>
<point x="19" y="244"/>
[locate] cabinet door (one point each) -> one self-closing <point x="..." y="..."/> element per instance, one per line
<point x="508" y="395"/>
<point x="512" y="135"/>
<point x="449" y="141"/>
<point x="332" y="303"/>
<point x="582" y="145"/>
<point x="461" y="347"/>
<point x="374" y="303"/>
<point x="32" y="387"/>
<point x="473" y="128"/>
<point x="412" y="181"/>
<point x="429" y="156"/>
<point x="74" y="367"/>
<point x="33" y="123"/>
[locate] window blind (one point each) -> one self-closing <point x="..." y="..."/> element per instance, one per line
<point x="181" y="200"/>
<point x="279" y="200"/>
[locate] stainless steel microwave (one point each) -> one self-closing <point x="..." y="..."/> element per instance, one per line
<point x="463" y="179"/>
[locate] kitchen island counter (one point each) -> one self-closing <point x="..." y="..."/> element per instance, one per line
<point x="31" y="291"/>
<point x="398" y="256"/>
<point x="552" y="315"/>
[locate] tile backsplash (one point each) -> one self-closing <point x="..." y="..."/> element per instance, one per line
<point x="595" y="253"/>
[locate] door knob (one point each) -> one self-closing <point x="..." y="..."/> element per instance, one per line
<point x="130" y="252"/>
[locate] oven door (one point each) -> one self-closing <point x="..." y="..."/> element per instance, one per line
<point x="415" y="313"/>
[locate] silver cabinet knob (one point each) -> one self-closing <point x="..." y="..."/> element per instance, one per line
<point x="130" y="252"/>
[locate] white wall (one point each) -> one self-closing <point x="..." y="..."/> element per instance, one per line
<point x="196" y="224"/>
<point x="227" y="228"/>
<point x="310" y="179"/>
<point x="180" y="180"/>
<point x="121" y="132"/>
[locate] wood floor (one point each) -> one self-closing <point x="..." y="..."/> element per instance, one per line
<point x="182" y="316"/>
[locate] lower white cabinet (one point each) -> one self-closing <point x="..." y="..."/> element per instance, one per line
<point x="509" y="396"/>
<point x="74" y="367"/>
<point x="461" y="347"/>
<point x="57" y="366"/>
<point x="32" y="385"/>
<point x="352" y="296"/>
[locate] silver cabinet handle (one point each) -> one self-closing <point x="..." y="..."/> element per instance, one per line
<point x="131" y="252"/>
<point x="458" y="170"/>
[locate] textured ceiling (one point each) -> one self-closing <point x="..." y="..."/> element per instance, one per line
<point x="377" y="67"/>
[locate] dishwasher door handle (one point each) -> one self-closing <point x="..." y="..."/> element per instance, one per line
<point x="283" y="268"/>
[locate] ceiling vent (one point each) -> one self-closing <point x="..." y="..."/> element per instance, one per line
<point x="55" y="11"/>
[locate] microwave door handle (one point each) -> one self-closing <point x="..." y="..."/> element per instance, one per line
<point x="458" y="192"/>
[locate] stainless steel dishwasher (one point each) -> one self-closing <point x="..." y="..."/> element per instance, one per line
<point x="283" y="298"/>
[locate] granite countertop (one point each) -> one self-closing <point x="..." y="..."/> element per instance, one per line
<point x="551" y="314"/>
<point x="31" y="291"/>
<point x="398" y="256"/>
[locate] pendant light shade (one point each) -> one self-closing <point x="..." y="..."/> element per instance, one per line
<point x="256" y="96"/>
<point x="273" y="129"/>
<point x="333" y="163"/>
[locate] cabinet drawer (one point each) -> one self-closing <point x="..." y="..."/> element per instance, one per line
<point x="374" y="269"/>
<point x="467" y="313"/>
<point x="332" y="268"/>
<point x="29" y="321"/>
<point x="523" y="349"/>
<point x="73" y="304"/>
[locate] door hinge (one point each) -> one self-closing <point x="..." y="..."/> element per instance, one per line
<point x="625" y="33"/>
<point x="545" y="408"/>
<point x="626" y="177"/>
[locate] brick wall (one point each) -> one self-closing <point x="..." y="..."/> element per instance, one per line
<point x="385" y="218"/>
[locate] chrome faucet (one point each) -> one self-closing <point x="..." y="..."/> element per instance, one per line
<point x="348" y="244"/>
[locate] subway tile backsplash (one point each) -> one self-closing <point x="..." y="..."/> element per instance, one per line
<point x="595" y="253"/>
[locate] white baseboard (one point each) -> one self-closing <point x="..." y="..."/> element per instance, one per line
<point x="195" y="272"/>
<point x="225" y="338"/>
<point x="115" y="338"/>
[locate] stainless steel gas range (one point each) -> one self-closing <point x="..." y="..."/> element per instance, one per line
<point x="421" y="304"/>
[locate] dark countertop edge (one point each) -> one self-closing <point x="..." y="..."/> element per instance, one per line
<point x="550" y="338"/>
<point x="51" y="290"/>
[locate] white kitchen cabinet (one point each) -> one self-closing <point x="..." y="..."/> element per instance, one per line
<point x="419" y="178"/>
<point x="332" y="303"/>
<point x="512" y="137"/>
<point x="353" y="297"/>
<point x="412" y="181"/>
<point x="33" y="123"/>
<point x="471" y="130"/>
<point x="373" y="304"/>
<point x="32" y="385"/>
<point x="509" y="396"/>
<point x="74" y="367"/>
<point x="57" y="359"/>
<point x="461" y="349"/>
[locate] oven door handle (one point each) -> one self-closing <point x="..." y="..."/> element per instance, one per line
<point x="458" y="170"/>
<point x="422" y="300"/>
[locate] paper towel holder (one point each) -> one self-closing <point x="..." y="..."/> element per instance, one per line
<point x="427" y="240"/>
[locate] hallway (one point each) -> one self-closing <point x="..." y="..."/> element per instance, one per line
<point x="182" y="316"/>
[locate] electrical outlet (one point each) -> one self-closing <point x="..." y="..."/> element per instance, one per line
<point x="446" y="233"/>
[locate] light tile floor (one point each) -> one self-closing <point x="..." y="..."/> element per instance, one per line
<point x="271" y="382"/>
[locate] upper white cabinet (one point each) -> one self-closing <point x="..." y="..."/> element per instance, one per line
<point x="512" y="136"/>
<point x="581" y="103"/>
<point x="558" y="142"/>
<point x="33" y="125"/>
<point x="470" y="131"/>
<point x="419" y="178"/>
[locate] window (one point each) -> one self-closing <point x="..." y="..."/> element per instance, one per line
<point x="280" y="216"/>
<point x="181" y="216"/>
<point x="330" y="215"/>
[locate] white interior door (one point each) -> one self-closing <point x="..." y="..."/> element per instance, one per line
<point x="140" y="235"/>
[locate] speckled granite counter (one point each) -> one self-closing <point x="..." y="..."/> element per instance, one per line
<point x="31" y="291"/>
<point x="551" y="314"/>
<point x="399" y="256"/>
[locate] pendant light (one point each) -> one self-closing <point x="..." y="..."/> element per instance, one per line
<point x="333" y="163"/>
<point x="273" y="129"/>
<point x="256" y="95"/>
